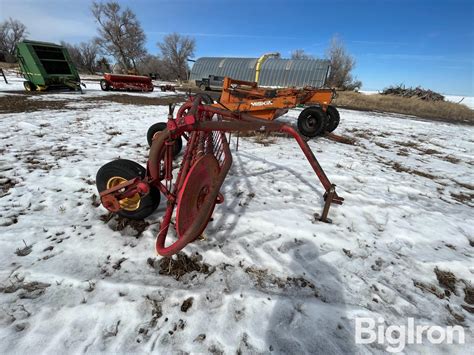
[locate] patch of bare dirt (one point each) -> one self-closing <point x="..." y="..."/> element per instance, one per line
<point x="264" y="279"/>
<point x="63" y="152"/>
<point x="26" y="250"/>
<point x="119" y="223"/>
<point x="462" y="197"/>
<point x="429" y="288"/>
<point x="410" y="144"/>
<point x="469" y="294"/>
<point x="33" y="164"/>
<point x="139" y="100"/>
<point x="402" y="169"/>
<point x="180" y="265"/>
<point x="446" y="279"/>
<point x="6" y="184"/>
<point x="29" y="290"/>
<point x="451" y="159"/>
<point x="187" y="304"/>
<point x="21" y="103"/>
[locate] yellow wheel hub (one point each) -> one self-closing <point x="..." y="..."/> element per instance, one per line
<point x="128" y="203"/>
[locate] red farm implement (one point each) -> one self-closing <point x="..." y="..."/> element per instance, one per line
<point x="192" y="194"/>
<point x="126" y="82"/>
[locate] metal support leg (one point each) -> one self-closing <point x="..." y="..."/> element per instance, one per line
<point x="329" y="197"/>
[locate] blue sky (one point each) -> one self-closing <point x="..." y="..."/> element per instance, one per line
<point x="418" y="42"/>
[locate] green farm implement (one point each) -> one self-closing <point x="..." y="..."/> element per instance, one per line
<point x="46" y="66"/>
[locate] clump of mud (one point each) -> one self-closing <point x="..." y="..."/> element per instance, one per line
<point x="187" y="304"/>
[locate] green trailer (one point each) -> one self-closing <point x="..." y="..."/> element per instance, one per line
<point x="46" y="66"/>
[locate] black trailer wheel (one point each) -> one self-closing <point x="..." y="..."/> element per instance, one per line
<point x="104" y="85"/>
<point x="158" y="127"/>
<point x="333" y="119"/>
<point x="203" y="87"/>
<point x="312" y="121"/>
<point x="29" y="86"/>
<point x="119" y="171"/>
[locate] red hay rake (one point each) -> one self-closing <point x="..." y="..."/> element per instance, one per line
<point x="194" y="192"/>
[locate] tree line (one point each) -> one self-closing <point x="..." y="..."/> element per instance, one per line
<point x="120" y="36"/>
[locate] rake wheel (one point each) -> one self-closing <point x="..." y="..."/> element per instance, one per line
<point x="119" y="171"/>
<point x="312" y="121"/>
<point x="159" y="127"/>
<point x="197" y="187"/>
<point x="333" y="119"/>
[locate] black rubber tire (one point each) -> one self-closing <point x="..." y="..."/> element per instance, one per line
<point x="128" y="170"/>
<point x="312" y="121"/>
<point x="104" y="85"/>
<point x="203" y="87"/>
<point x="158" y="127"/>
<point x="333" y="119"/>
<point x="29" y="86"/>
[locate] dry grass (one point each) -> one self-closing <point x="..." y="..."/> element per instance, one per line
<point x="5" y="65"/>
<point x="437" y="110"/>
<point x="446" y="279"/>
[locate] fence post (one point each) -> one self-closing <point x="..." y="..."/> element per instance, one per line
<point x="3" y="74"/>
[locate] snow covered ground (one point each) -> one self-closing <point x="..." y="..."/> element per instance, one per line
<point x="465" y="100"/>
<point x="277" y="280"/>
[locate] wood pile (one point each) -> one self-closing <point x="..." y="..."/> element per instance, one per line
<point x="419" y="92"/>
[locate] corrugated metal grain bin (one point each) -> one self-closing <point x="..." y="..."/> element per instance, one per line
<point x="236" y="68"/>
<point x="293" y="72"/>
<point x="46" y="65"/>
<point x="274" y="72"/>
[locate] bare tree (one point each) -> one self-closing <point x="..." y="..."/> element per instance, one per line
<point x="342" y="64"/>
<point x="176" y="49"/>
<point x="153" y="64"/>
<point x="149" y="64"/>
<point x="120" y="33"/>
<point x="103" y="65"/>
<point x="300" y="54"/>
<point x="84" y="56"/>
<point x="74" y="53"/>
<point x="11" y="32"/>
<point x="89" y="52"/>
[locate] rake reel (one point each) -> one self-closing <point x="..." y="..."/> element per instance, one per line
<point x="194" y="191"/>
